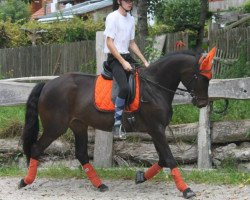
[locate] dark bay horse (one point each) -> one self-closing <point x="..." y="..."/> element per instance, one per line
<point x="67" y="102"/>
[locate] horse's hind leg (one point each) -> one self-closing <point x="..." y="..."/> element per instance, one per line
<point x="81" y="152"/>
<point x="37" y="149"/>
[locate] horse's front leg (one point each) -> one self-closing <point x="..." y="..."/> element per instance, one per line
<point x="166" y="159"/>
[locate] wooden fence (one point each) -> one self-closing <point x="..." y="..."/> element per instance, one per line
<point x="61" y="58"/>
<point x="46" y="59"/>
<point x="176" y="41"/>
<point x="230" y="45"/>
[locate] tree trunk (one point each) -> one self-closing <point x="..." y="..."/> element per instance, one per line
<point x="203" y="14"/>
<point x="142" y="23"/>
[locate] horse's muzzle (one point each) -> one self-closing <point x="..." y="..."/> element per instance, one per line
<point x="200" y="103"/>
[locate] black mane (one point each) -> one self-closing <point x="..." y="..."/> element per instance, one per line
<point x="170" y="54"/>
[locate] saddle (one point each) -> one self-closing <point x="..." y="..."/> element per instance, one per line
<point x="107" y="74"/>
<point x="106" y="91"/>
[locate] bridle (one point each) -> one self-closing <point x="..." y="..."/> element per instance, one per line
<point x="203" y="69"/>
<point x="190" y="90"/>
<point x="183" y="91"/>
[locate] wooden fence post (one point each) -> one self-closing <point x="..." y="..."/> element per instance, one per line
<point x="103" y="140"/>
<point x="204" y="139"/>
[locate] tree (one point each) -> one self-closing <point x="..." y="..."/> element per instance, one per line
<point x="15" y="10"/>
<point x="202" y="20"/>
<point x="152" y="5"/>
<point x="144" y="8"/>
<point x="27" y="1"/>
<point x="182" y="15"/>
<point x="142" y="22"/>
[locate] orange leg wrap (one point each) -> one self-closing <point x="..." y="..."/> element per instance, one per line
<point x="91" y="173"/>
<point x="152" y="171"/>
<point x="32" y="171"/>
<point x="180" y="184"/>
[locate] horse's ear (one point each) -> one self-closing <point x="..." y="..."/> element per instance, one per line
<point x="206" y="65"/>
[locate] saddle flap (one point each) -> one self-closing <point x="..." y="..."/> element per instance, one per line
<point x="132" y="89"/>
<point x="103" y="95"/>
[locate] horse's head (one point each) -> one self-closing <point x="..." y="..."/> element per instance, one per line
<point x="197" y="80"/>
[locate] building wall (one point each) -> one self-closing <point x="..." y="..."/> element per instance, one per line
<point x="220" y="5"/>
<point x="36" y="5"/>
<point x="102" y="13"/>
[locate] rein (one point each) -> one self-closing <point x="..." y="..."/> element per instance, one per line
<point x="169" y="90"/>
<point x="190" y="91"/>
<point x="162" y="87"/>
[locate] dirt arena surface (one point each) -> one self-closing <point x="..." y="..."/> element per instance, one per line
<point x="55" y="189"/>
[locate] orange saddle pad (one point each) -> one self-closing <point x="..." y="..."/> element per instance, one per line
<point x="103" y="95"/>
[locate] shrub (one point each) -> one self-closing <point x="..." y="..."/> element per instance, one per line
<point x="159" y="29"/>
<point x="67" y="31"/>
<point x="13" y="35"/>
<point x="246" y="7"/>
<point x="77" y="30"/>
<point x="15" y="10"/>
<point x="73" y="30"/>
<point x="4" y="39"/>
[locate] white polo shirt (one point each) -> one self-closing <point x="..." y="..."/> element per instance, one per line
<point x="121" y="29"/>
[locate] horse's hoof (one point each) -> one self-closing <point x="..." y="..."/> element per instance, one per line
<point x="103" y="188"/>
<point x="139" y="177"/>
<point x="21" y="184"/>
<point x="188" y="193"/>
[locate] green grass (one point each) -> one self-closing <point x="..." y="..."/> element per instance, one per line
<point x="11" y="114"/>
<point x="11" y="120"/>
<point x="221" y="176"/>
<point x="237" y="110"/>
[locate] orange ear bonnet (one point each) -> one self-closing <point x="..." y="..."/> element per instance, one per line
<point x="206" y="64"/>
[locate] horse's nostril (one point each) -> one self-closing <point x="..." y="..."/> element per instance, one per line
<point x="201" y="104"/>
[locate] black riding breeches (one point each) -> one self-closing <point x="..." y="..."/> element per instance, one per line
<point x="120" y="75"/>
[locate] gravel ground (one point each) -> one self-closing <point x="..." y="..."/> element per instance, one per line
<point x="53" y="189"/>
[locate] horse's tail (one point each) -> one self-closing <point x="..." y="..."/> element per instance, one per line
<point x="31" y="126"/>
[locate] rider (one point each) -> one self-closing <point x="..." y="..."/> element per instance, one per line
<point x="120" y="34"/>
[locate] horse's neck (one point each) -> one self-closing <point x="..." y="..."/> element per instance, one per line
<point x="165" y="75"/>
<point x="164" y="78"/>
